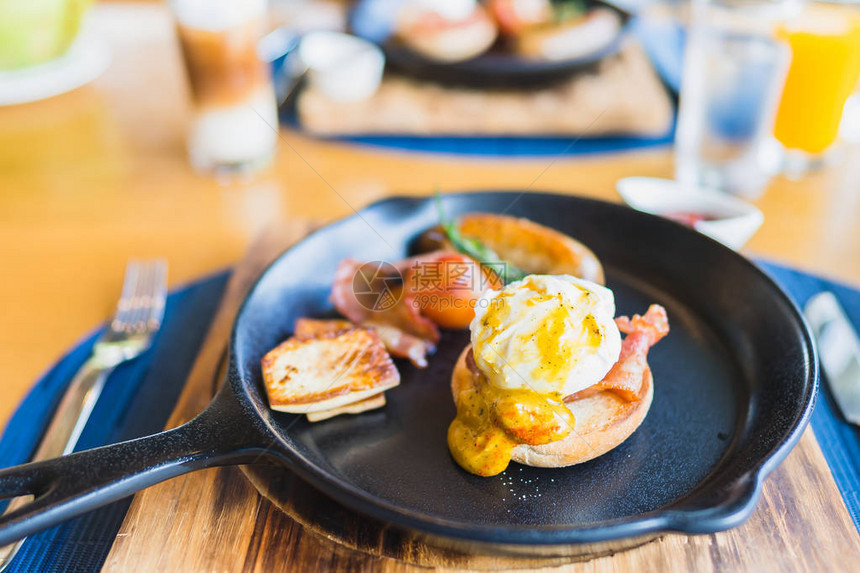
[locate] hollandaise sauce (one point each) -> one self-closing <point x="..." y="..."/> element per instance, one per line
<point x="533" y="343"/>
<point x="491" y="421"/>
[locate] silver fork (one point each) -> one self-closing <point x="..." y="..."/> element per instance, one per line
<point x="138" y="317"/>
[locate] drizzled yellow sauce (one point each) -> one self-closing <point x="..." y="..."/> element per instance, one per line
<point x="555" y="357"/>
<point x="550" y="337"/>
<point x="491" y="421"/>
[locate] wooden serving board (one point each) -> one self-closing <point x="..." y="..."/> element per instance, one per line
<point x="622" y="95"/>
<point x="216" y="520"/>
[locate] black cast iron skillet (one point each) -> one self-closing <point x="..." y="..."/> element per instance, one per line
<point x="735" y="383"/>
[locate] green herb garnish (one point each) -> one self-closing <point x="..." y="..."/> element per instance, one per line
<point x="564" y="10"/>
<point x="476" y="249"/>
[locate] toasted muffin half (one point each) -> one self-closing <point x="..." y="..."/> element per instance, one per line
<point x="530" y="246"/>
<point x="440" y="39"/>
<point x="603" y="421"/>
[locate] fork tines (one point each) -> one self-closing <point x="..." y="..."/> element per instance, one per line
<point x="144" y="290"/>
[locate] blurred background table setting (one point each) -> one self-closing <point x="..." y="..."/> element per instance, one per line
<point x="213" y="134"/>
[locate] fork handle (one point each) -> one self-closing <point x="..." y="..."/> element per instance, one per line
<point x="73" y="412"/>
<point x="70" y="485"/>
<point x="65" y="428"/>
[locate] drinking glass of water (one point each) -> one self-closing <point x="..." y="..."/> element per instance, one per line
<point x="734" y="69"/>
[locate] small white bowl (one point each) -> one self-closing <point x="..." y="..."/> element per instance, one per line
<point x="730" y="220"/>
<point x="343" y="67"/>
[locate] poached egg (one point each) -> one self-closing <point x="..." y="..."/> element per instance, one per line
<point x="552" y="334"/>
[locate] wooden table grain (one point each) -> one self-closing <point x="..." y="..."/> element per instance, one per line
<point x="93" y="177"/>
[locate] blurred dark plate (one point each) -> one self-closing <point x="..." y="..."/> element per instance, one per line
<point x="372" y="20"/>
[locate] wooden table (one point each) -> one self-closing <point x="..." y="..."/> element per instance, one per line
<point x="93" y="177"/>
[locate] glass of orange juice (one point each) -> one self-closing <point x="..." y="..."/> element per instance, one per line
<point x="825" y="65"/>
<point x="734" y="69"/>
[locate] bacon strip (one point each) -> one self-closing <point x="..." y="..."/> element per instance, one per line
<point x="402" y="328"/>
<point x="404" y="345"/>
<point x="626" y="376"/>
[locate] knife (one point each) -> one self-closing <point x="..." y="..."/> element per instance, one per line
<point x="839" y="350"/>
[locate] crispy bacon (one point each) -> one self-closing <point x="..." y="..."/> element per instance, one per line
<point x="402" y="328"/>
<point x="404" y="345"/>
<point x="643" y="332"/>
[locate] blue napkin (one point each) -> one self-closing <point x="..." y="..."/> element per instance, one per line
<point x="839" y="440"/>
<point x="137" y="401"/>
<point x="140" y="395"/>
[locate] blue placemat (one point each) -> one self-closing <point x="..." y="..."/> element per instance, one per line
<point x="503" y="146"/>
<point x="137" y="400"/>
<point x="663" y="41"/>
<point x="140" y="395"/>
<point x="839" y="440"/>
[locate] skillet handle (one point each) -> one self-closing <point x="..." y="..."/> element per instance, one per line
<point x="68" y="486"/>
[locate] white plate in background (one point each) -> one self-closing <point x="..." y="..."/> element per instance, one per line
<point x="86" y="59"/>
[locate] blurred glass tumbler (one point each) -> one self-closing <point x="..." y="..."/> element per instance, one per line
<point x="734" y="69"/>
<point x="235" y="122"/>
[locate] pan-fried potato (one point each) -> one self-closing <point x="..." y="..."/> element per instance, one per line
<point x="377" y="401"/>
<point x="327" y="370"/>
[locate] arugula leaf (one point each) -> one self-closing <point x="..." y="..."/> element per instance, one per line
<point x="564" y="10"/>
<point x="476" y="249"/>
